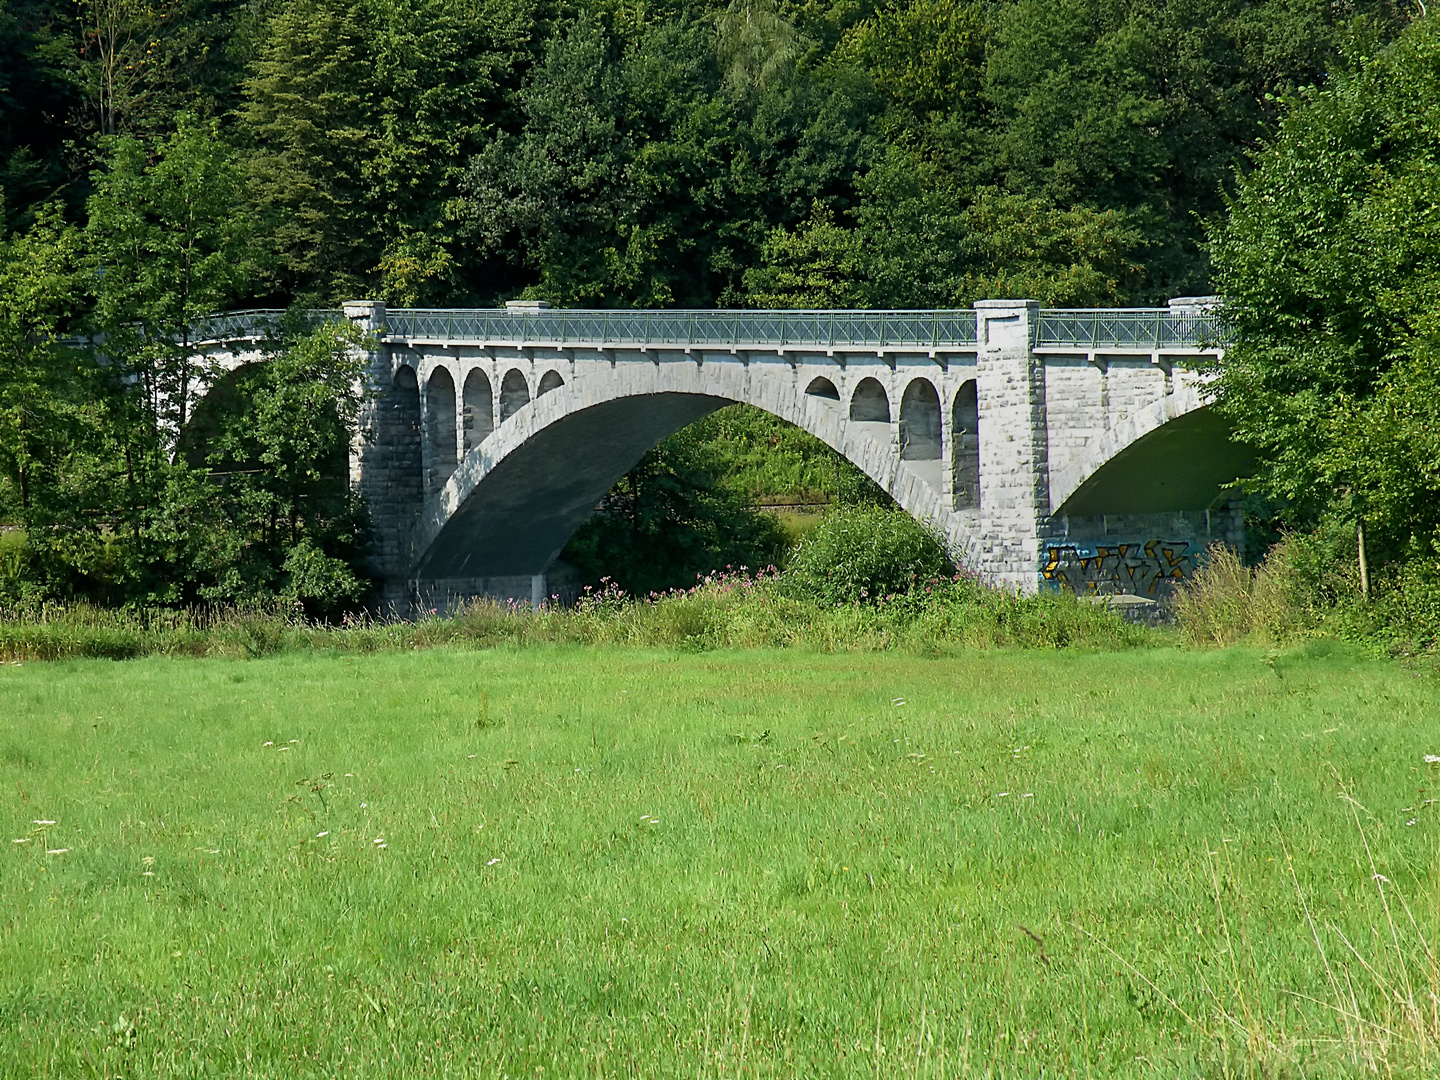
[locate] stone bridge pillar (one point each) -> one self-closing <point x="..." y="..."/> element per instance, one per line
<point x="1014" y="478"/>
<point x="385" y="457"/>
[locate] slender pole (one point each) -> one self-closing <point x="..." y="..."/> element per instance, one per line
<point x="1364" y="564"/>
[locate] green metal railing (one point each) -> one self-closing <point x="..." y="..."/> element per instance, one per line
<point x="1150" y="329"/>
<point x="1127" y="329"/>
<point x="254" y="323"/>
<point x="769" y="329"/>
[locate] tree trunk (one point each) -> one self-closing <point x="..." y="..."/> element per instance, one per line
<point x="1364" y="564"/>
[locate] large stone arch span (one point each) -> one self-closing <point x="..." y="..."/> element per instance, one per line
<point x="517" y="498"/>
<point x="1177" y="454"/>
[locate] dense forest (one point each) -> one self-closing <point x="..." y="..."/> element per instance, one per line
<point x="609" y="153"/>
<point x="162" y="160"/>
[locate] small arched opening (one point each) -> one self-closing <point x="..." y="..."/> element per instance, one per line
<point x="965" y="447"/>
<point x="824" y="389"/>
<point x="440" y="427"/>
<point x="869" y="403"/>
<point x="401" y="415"/>
<point x="551" y="380"/>
<point x="479" y="409"/>
<point x="514" y="394"/>
<point x="920" y="422"/>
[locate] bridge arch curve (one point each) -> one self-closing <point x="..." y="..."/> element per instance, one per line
<point x="514" y="393"/>
<point x="920" y="421"/>
<point x="823" y="388"/>
<point x="516" y="499"/>
<point x="869" y="404"/>
<point x="1176" y="454"/>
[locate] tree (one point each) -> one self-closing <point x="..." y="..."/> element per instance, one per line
<point x="1330" y="262"/>
<point x="171" y="241"/>
<point x="42" y="383"/>
<point x="307" y="119"/>
<point x="286" y="521"/>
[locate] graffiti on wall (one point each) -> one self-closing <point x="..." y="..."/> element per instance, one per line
<point x="1149" y="569"/>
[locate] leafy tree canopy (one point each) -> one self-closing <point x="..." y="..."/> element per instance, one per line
<point x="1330" y="259"/>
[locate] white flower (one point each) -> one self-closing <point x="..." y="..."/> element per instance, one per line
<point x="40" y="821"/>
<point x="378" y="840"/>
<point x="493" y="861"/>
<point x="57" y="851"/>
<point x="1432" y="759"/>
<point x="318" y="835"/>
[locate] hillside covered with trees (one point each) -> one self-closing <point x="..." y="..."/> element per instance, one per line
<point x="618" y="153"/>
<point x="160" y="161"/>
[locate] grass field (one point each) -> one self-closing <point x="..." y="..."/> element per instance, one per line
<point x="617" y="862"/>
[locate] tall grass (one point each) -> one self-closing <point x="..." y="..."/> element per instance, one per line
<point x="723" y="611"/>
<point x="1228" y="602"/>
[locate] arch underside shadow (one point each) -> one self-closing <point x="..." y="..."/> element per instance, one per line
<point x="518" y="498"/>
<point x="533" y="499"/>
<point x="1187" y="463"/>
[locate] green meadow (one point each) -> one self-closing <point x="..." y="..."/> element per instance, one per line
<point x="564" y="861"/>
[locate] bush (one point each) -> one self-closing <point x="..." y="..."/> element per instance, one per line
<point x="864" y="554"/>
<point x="1226" y="601"/>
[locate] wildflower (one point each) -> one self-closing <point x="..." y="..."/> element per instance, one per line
<point x="493" y="861"/>
<point x="1432" y="759"/>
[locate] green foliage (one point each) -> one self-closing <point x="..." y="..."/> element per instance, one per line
<point x="43" y="399"/>
<point x="865" y="554"/>
<point x="1329" y="260"/>
<point x="282" y="516"/>
<point x="767" y="460"/>
<point x="170" y="240"/>
<point x="671" y="520"/>
<point x="360" y="116"/>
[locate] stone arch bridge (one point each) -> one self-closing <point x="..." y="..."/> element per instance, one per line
<point x="1069" y="449"/>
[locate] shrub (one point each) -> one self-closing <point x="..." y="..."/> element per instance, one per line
<point x="864" y="553"/>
